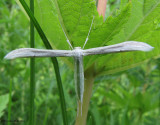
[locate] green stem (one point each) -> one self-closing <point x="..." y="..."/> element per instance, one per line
<point x="54" y="60"/>
<point x="46" y="116"/>
<point x="10" y="101"/>
<point x="159" y="102"/>
<point x="32" y="70"/>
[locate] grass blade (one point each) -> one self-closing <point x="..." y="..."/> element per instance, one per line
<point x="10" y="102"/>
<point x="32" y="70"/>
<point x="54" y="60"/>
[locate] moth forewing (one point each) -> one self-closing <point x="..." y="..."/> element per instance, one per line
<point x="30" y="52"/>
<point x="120" y="47"/>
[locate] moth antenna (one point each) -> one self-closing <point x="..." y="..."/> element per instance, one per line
<point x="67" y="38"/>
<point x="88" y="33"/>
<point x="60" y="21"/>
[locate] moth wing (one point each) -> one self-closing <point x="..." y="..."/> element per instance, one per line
<point x="120" y="47"/>
<point x="30" y="52"/>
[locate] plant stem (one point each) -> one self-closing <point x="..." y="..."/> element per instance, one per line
<point x="102" y="7"/>
<point x="46" y="116"/>
<point x="54" y="60"/>
<point x="32" y="70"/>
<point x="81" y="118"/>
<point x="10" y="101"/>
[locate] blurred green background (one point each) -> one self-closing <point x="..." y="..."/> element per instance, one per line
<point x="131" y="97"/>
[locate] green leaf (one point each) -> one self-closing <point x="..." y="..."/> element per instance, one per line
<point x="4" y="99"/>
<point x="142" y="26"/>
<point x="75" y="16"/>
<point x="106" y="32"/>
<point x="123" y="3"/>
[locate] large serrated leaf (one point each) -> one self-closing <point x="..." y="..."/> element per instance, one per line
<point x="75" y="17"/>
<point x="102" y="34"/>
<point x="142" y="26"/>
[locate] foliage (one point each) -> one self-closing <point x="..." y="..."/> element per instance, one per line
<point x="125" y="98"/>
<point x="135" y="100"/>
<point x="3" y="103"/>
<point x="75" y="17"/>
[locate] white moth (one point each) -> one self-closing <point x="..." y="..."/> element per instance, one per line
<point x="77" y="53"/>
